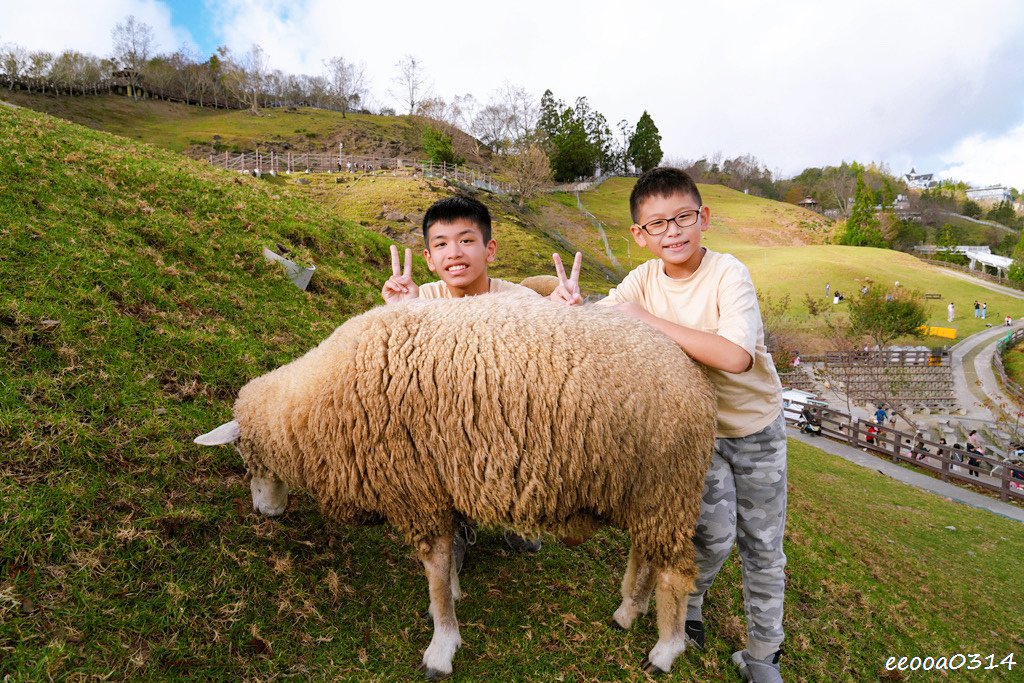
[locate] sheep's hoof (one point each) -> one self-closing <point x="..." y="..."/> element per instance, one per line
<point x="431" y="674"/>
<point x="652" y="668"/>
<point x="616" y="625"/>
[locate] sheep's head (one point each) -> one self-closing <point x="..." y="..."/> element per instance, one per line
<point x="269" y="494"/>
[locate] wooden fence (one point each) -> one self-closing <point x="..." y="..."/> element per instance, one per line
<point x="275" y="163"/>
<point x="903" y="447"/>
<point x="914" y="378"/>
<point x="886" y="357"/>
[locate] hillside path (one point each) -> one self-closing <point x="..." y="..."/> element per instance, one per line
<point x="971" y="360"/>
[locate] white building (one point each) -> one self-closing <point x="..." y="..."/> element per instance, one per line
<point x="920" y="181"/>
<point x="992" y="194"/>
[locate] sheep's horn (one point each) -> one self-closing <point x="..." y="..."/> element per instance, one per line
<point x="226" y="433"/>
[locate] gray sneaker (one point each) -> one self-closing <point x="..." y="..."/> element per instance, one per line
<point x="758" y="670"/>
<point x="520" y="544"/>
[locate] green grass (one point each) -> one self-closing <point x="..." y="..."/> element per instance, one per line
<point x="966" y="232"/>
<point x="128" y="553"/>
<point x="526" y="238"/>
<point x="1013" y="363"/>
<point x="181" y="127"/>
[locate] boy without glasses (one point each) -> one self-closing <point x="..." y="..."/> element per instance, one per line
<point x="459" y="247"/>
<point x="706" y="303"/>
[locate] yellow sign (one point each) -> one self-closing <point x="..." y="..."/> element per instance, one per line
<point x="945" y="332"/>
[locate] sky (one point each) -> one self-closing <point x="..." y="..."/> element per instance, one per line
<point x="932" y="85"/>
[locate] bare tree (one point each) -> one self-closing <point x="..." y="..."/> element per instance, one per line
<point x="317" y="90"/>
<point x="133" y="45"/>
<point x="246" y="79"/>
<point x="840" y="185"/>
<point x="411" y="82"/>
<point x="14" y="61"/>
<point x="74" y="72"/>
<point x="523" y="111"/>
<point x="628" y="130"/>
<point x="274" y="86"/>
<point x="464" y="108"/>
<point x="530" y="171"/>
<point x="492" y="125"/>
<point x="190" y="76"/>
<point x="348" y="83"/>
<point x="62" y="72"/>
<point x="39" y="67"/>
<point x="161" y="76"/>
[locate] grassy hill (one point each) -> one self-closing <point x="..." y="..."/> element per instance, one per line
<point x="191" y="129"/>
<point x="782" y="246"/>
<point x="1000" y="238"/>
<point x="135" y="304"/>
<point x="526" y="238"/>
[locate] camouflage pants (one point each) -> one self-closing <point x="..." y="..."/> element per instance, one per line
<point x="745" y="501"/>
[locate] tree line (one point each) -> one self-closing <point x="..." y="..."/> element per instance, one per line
<point x="536" y="142"/>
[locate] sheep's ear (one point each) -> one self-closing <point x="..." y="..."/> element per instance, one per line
<point x="226" y="433"/>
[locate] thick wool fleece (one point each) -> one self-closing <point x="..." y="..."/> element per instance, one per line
<point x="542" y="284"/>
<point x="513" y="411"/>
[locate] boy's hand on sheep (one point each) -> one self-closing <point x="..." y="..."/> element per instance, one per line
<point x="400" y="286"/>
<point x="634" y="310"/>
<point x="568" y="289"/>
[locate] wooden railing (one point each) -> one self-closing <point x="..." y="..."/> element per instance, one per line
<point x="274" y="163"/>
<point x="886" y="357"/>
<point x="939" y="461"/>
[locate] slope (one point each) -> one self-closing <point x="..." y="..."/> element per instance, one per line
<point x="199" y="130"/>
<point x="134" y="305"/>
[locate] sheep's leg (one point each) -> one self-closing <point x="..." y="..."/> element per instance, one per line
<point x="637" y="585"/>
<point x="437" y="561"/>
<point x="456" y="590"/>
<point x="673" y="588"/>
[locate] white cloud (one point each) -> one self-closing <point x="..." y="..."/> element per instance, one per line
<point x="796" y="83"/>
<point x="86" y="26"/>
<point x="988" y="160"/>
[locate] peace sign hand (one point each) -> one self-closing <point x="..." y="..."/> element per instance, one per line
<point x="568" y="289"/>
<point x="400" y="286"/>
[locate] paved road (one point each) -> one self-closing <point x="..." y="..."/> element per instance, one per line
<point x="974" y="380"/>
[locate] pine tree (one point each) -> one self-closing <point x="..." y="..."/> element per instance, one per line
<point x="550" y="108"/>
<point x="574" y="137"/>
<point x="862" y="227"/>
<point x="645" y="146"/>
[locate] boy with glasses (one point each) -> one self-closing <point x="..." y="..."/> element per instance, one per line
<point x="706" y="303"/>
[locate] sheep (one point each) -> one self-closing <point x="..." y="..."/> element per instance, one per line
<point x="525" y="414"/>
<point x="542" y="284"/>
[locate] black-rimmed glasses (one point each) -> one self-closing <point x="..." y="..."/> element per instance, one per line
<point x="683" y="220"/>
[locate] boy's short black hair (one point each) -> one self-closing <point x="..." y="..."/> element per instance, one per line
<point x="458" y="207"/>
<point x="661" y="182"/>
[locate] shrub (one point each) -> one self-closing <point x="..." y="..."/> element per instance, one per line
<point x="437" y="145"/>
